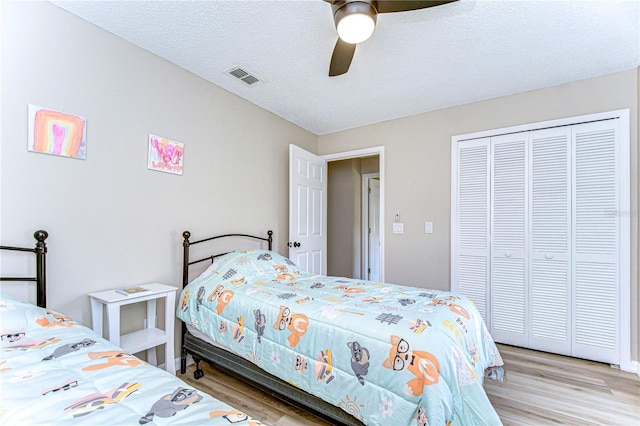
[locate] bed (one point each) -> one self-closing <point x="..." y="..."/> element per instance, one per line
<point x="354" y="351"/>
<point x="56" y="371"/>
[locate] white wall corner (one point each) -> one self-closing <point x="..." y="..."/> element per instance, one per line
<point x="177" y="362"/>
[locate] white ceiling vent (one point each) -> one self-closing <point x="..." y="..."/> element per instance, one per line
<point x="245" y="76"/>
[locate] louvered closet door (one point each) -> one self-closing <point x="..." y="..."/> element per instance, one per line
<point x="595" y="241"/>
<point x="470" y="260"/>
<point x="550" y="229"/>
<point x="509" y="263"/>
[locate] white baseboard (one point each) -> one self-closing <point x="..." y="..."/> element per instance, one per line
<point x="177" y="363"/>
<point x="635" y="365"/>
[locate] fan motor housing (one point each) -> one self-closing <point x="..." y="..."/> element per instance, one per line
<point x="342" y="8"/>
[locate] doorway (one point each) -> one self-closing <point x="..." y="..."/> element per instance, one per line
<point x="350" y="252"/>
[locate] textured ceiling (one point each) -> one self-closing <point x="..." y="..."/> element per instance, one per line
<point x="415" y="61"/>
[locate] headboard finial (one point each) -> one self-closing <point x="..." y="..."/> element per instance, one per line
<point x="40" y="236"/>
<point x="186" y="235"/>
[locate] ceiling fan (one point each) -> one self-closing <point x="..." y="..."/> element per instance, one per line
<point x="355" y="21"/>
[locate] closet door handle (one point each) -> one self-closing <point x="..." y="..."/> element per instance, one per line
<point x="548" y="256"/>
<point x="507" y="254"/>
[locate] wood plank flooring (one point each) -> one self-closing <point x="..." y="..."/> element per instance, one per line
<point x="541" y="389"/>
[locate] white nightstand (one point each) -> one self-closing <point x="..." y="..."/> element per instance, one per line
<point x="147" y="338"/>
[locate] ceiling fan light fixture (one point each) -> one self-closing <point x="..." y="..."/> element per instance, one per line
<point x="355" y="21"/>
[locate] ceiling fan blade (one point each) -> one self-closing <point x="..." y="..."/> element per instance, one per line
<point x="341" y="58"/>
<point x="387" y="6"/>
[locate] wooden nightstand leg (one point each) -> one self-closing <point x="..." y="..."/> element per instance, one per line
<point x="151" y="323"/>
<point x="96" y="316"/>
<point x="113" y="318"/>
<point x="169" y="315"/>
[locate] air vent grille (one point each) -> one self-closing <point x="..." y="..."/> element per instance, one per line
<point x="243" y="75"/>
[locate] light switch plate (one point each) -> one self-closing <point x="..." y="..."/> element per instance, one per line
<point x="428" y="227"/>
<point x="398" y="228"/>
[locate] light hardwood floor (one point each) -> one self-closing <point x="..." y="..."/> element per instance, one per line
<point x="540" y="389"/>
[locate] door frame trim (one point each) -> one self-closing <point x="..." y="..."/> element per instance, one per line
<point x="365" y="222"/>
<point x="368" y="152"/>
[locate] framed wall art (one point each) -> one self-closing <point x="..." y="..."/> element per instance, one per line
<point x="165" y="155"/>
<point x="57" y="133"/>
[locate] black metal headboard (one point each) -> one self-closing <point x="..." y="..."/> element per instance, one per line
<point x="186" y="244"/>
<point x="40" y="251"/>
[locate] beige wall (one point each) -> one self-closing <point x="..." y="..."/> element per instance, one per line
<point x="343" y="218"/>
<point x="418" y="172"/>
<point x="111" y="221"/>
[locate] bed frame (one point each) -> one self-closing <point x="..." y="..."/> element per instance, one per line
<point x="241" y="368"/>
<point x="40" y="279"/>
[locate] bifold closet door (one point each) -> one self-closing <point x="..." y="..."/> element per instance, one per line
<point x="540" y="236"/>
<point x="549" y="297"/>
<point x="470" y="242"/>
<point x="596" y="241"/>
<point x="509" y="257"/>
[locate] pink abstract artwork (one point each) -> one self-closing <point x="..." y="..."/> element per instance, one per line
<point x="165" y="155"/>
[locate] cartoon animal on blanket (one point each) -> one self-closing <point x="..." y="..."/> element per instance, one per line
<point x="237" y="329"/>
<point x="100" y="401"/>
<point x="283" y="273"/>
<point x="264" y="256"/>
<point x="359" y="360"/>
<point x="452" y="306"/>
<point x="200" y="297"/>
<point x="184" y="303"/>
<point x="234" y="416"/>
<point x="423" y="365"/>
<point x="33" y="344"/>
<point x="113" y="359"/>
<point x="170" y="404"/>
<point x="260" y="323"/>
<point x="54" y="319"/>
<point x="300" y="363"/>
<point x="296" y="323"/>
<point x="222" y="296"/>
<point x="68" y="348"/>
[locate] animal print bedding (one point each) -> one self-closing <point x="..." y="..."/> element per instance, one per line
<point x="387" y="354"/>
<point x="55" y="371"/>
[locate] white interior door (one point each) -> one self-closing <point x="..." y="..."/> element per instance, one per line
<point x="596" y="241"/>
<point x="470" y="236"/>
<point x="373" y="269"/>
<point x="550" y="230"/>
<point x="509" y="262"/>
<point x="307" y="210"/>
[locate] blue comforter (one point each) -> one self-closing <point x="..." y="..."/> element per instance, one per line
<point x="54" y="371"/>
<point x="387" y="354"/>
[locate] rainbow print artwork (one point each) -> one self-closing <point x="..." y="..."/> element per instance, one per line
<point x="57" y="133"/>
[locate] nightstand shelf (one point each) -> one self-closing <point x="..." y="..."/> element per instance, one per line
<point x="147" y="338"/>
<point x="144" y="339"/>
